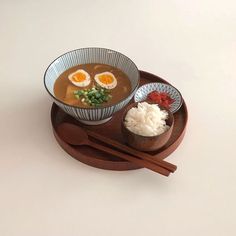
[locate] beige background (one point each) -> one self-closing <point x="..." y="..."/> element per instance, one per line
<point x="45" y="192"/>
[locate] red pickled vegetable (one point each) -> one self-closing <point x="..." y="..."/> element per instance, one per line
<point x="161" y="98"/>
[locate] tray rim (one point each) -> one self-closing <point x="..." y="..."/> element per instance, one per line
<point x="119" y="165"/>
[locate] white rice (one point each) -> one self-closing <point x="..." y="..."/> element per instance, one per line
<point x="146" y="119"/>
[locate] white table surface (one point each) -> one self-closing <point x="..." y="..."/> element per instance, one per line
<point x="43" y="191"/>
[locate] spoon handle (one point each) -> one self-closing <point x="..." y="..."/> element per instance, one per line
<point x="143" y="163"/>
<point x="142" y="155"/>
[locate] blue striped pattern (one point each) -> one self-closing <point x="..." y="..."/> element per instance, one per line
<point x="91" y="55"/>
<point x="144" y="90"/>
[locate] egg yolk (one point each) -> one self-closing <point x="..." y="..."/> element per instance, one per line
<point x="79" y="77"/>
<point x="106" y="79"/>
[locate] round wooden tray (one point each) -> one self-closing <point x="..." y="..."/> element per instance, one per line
<point x="111" y="129"/>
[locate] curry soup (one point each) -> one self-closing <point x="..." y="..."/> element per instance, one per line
<point x="92" y="85"/>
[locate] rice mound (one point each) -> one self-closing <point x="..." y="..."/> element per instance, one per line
<point x="146" y="120"/>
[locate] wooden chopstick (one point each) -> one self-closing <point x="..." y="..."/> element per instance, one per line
<point x="144" y="156"/>
<point x="137" y="161"/>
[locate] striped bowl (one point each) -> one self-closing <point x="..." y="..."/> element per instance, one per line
<point x="144" y="90"/>
<point x="91" y="116"/>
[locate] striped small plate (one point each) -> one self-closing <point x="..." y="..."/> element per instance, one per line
<point x="144" y="90"/>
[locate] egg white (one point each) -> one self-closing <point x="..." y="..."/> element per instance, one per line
<point x="84" y="83"/>
<point x="106" y="86"/>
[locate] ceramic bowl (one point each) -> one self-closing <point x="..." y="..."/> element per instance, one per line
<point x="146" y="143"/>
<point x="144" y="90"/>
<point x="91" y="116"/>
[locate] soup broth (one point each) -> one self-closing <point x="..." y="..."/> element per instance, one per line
<point x="92" y="85"/>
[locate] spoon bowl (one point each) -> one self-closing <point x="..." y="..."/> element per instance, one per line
<point x="75" y="135"/>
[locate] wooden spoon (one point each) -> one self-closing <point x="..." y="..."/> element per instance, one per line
<point x="75" y="135"/>
<point x="172" y="168"/>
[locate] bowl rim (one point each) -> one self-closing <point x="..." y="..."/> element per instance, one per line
<point x="134" y="104"/>
<point x="166" y="84"/>
<point x="92" y="108"/>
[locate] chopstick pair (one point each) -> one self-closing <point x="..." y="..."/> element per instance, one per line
<point x="160" y="166"/>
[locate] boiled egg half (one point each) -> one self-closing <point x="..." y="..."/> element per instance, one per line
<point x="80" y="78"/>
<point x="106" y="80"/>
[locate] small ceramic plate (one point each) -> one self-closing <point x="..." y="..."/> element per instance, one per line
<point x="144" y="90"/>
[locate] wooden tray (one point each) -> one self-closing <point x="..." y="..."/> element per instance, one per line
<point x="111" y="129"/>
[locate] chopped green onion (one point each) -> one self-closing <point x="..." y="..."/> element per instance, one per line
<point x="94" y="96"/>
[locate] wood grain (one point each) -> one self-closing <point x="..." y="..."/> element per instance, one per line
<point x="112" y="130"/>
